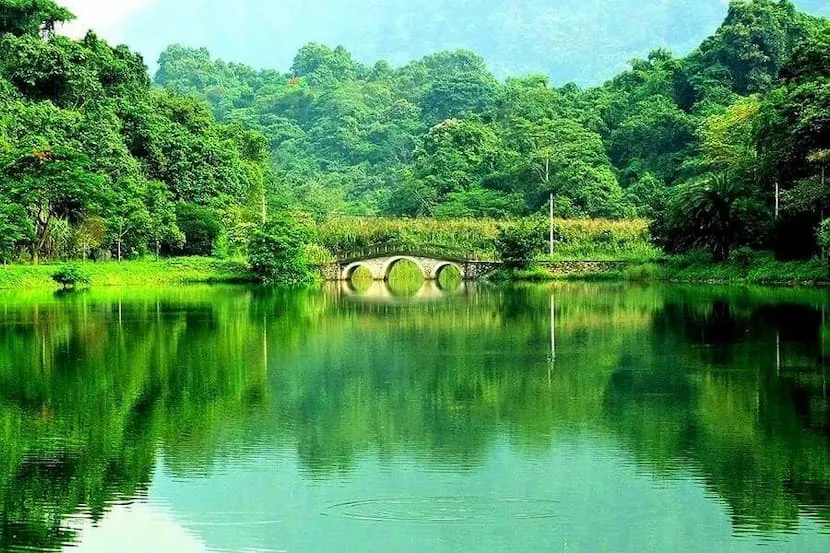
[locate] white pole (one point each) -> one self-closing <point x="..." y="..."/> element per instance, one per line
<point x="778" y="353"/>
<point x="551" y="224"/>
<point x="265" y="343"/>
<point x="552" y="328"/>
<point x="552" y="362"/>
<point x="777" y="201"/>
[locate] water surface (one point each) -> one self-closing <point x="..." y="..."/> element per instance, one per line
<point x="564" y="418"/>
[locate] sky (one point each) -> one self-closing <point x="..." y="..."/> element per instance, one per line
<point x="107" y="17"/>
<point x="584" y="41"/>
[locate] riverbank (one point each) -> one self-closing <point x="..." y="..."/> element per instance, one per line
<point x="692" y="268"/>
<point x="181" y="270"/>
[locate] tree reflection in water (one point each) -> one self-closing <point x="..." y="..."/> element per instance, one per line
<point x="726" y="384"/>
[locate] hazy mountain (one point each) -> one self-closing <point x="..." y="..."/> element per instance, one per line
<point x="585" y="41"/>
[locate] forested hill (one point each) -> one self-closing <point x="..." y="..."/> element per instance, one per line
<point x="444" y="137"/>
<point x="582" y="41"/>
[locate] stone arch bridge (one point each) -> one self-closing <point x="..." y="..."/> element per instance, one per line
<point x="431" y="260"/>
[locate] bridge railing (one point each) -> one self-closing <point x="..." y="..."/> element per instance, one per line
<point x="420" y="250"/>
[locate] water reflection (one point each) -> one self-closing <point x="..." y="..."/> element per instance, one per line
<point x="384" y="292"/>
<point x="195" y="394"/>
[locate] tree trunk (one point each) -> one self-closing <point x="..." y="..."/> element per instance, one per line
<point x="43" y="233"/>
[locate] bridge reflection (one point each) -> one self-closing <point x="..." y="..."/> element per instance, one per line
<point x="380" y="291"/>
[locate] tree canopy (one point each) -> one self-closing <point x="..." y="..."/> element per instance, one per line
<point x="95" y="160"/>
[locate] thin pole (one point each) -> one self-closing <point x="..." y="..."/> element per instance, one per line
<point x="551" y="224"/>
<point x="265" y="343"/>
<point x="777" y="201"/>
<point x="778" y="353"/>
<point x="552" y="328"/>
<point x="552" y="363"/>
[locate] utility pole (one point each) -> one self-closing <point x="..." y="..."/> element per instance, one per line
<point x="551" y="224"/>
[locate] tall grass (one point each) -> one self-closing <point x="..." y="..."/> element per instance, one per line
<point x="586" y="239"/>
<point x="346" y="234"/>
<point x="603" y="239"/>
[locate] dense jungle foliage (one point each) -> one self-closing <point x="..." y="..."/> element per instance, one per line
<point x="98" y="162"/>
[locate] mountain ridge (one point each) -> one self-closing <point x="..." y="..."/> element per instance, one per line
<point x="585" y="42"/>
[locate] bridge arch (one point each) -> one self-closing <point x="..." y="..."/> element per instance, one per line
<point x="379" y="263"/>
<point x="394" y="260"/>
<point x="349" y="270"/>
<point x="440" y="266"/>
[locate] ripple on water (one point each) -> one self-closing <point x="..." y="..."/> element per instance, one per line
<point x="445" y="510"/>
<point x="231" y="518"/>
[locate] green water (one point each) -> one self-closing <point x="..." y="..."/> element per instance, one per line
<point x="563" y="418"/>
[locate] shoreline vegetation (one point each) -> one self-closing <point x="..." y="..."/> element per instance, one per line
<point x="695" y="268"/>
<point x="585" y="249"/>
<point x="687" y="269"/>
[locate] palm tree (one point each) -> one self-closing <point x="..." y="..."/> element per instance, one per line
<point x="705" y="214"/>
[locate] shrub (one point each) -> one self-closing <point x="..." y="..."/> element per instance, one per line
<point x="646" y="272"/>
<point x="824" y="238"/>
<point x="201" y="228"/>
<point x="277" y="252"/>
<point x="519" y="243"/>
<point x="318" y="255"/>
<point x="70" y="277"/>
<point x="744" y="258"/>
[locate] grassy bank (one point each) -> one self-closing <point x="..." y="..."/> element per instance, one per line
<point x="762" y="268"/>
<point x="189" y="270"/>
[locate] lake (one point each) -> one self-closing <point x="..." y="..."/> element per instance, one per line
<point x="563" y="418"/>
